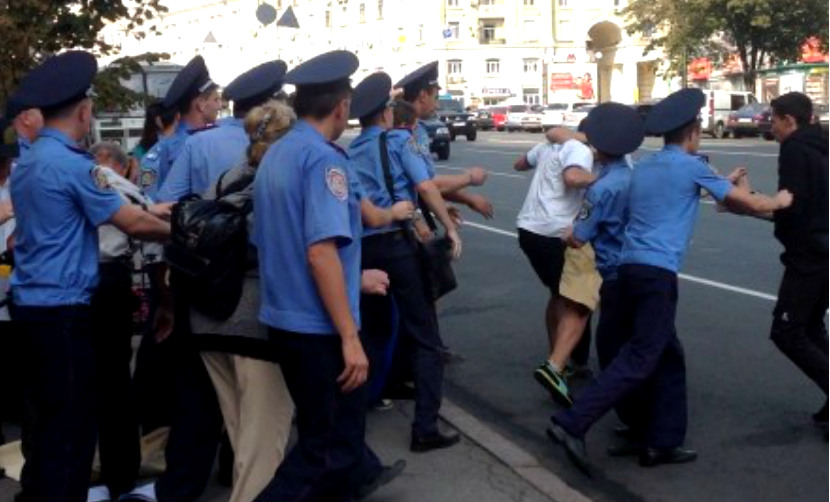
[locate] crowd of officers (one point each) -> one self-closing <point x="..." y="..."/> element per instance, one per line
<point x="337" y="274"/>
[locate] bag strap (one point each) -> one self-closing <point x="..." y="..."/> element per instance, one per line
<point x="387" y="171"/>
<point x="219" y="187"/>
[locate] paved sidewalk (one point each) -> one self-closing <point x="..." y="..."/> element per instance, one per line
<point x="465" y="472"/>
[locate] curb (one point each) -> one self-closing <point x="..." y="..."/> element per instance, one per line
<point x="525" y="465"/>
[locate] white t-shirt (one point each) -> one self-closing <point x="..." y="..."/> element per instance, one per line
<point x="550" y="206"/>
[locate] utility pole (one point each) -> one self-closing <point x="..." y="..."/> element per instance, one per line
<point x="685" y="69"/>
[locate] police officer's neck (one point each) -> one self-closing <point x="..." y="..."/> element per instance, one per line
<point x="72" y="128"/>
<point x="688" y="145"/>
<point x="327" y="127"/>
<point x="194" y="120"/>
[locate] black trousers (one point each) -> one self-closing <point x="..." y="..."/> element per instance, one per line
<point x="798" y="328"/>
<point x="196" y="430"/>
<point x="119" y="444"/>
<point x="59" y="425"/>
<point x="395" y="254"/>
<point x="11" y="366"/>
<point x="650" y="356"/>
<point x="330" y="459"/>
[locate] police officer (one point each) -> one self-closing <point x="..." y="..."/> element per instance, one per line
<point x="614" y="131"/>
<point x="307" y="232"/>
<point x="208" y="154"/>
<point x="663" y="204"/>
<point x="166" y="121"/>
<point x="420" y="88"/>
<point x="392" y="249"/>
<point x="198" y="101"/>
<point x="60" y="197"/>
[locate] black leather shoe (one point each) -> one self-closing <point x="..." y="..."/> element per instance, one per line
<point x="387" y="474"/>
<point x="652" y="457"/>
<point x="435" y="441"/>
<point x="573" y="445"/>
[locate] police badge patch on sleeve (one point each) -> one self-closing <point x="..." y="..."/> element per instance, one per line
<point x="337" y="183"/>
<point x="585" y="210"/>
<point x="99" y="177"/>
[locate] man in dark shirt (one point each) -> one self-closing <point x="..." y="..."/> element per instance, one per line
<point x="798" y="327"/>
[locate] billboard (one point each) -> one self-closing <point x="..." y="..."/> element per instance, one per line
<point x="572" y="82"/>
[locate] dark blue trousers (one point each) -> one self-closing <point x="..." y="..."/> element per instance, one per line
<point x="330" y="459"/>
<point x="397" y="256"/>
<point x="650" y="359"/>
<point x="59" y="424"/>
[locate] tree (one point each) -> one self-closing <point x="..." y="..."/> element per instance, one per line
<point x="33" y="30"/>
<point x="758" y="31"/>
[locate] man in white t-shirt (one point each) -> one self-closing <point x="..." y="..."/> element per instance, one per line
<point x="552" y="204"/>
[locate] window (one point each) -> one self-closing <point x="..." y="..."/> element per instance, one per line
<point x="738" y="100"/>
<point x="452" y="3"/>
<point x="363" y="13"/>
<point x="531" y="65"/>
<point x="530" y="33"/>
<point x="454" y="67"/>
<point x="454" y="28"/>
<point x="531" y="96"/>
<point x="380" y="9"/>
<point x="562" y="3"/>
<point x="328" y="19"/>
<point x="488" y="33"/>
<point x="530" y="3"/>
<point x="563" y="31"/>
<point x="420" y="33"/>
<point x="493" y="66"/>
<point x="487" y="2"/>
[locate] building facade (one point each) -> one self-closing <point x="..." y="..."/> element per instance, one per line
<point x="490" y="51"/>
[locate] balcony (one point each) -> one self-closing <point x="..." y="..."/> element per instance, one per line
<point x="491" y="41"/>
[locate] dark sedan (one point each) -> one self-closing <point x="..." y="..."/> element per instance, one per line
<point x="484" y="120"/>
<point x="747" y="120"/>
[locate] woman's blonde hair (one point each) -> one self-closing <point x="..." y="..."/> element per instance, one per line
<point x="265" y="124"/>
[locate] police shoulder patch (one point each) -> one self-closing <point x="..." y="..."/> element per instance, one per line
<point x="585" y="210"/>
<point x="100" y="178"/>
<point x="412" y="144"/>
<point x="337" y="182"/>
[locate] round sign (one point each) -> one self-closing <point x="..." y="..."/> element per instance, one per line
<point x="266" y="14"/>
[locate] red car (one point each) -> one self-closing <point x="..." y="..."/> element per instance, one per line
<point x="499" y="116"/>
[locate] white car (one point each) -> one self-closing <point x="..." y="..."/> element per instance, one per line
<point x="532" y="120"/>
<point x="515" y="117"/>
<point x="554" y="113"/>
<point x="577" y="114"/>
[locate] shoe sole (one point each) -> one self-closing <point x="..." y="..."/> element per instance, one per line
<point x="554" y="435"/>
<point x="425" y="449"/>
<point x="550" y="386"/>
<point x="650" y="464"/>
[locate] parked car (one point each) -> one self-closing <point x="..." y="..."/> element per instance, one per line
<point x="718" y="106"/>
<point x="499" y="114"/>
<point x="515" y="115"/>
<point x="532" y="120"/>
<point x="765" y="124"/>
<point x="746" y="121"/>
<point x="458" y="121"/>
<point x="577" y="114"/>
<point x="439" y="137"/>
<point x="484" y="120"/>
<point x="553" y="114"/>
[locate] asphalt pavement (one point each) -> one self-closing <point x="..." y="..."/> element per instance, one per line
<point x="749" y="407"/>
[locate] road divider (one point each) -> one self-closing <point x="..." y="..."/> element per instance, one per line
<point x="686" y="277"/>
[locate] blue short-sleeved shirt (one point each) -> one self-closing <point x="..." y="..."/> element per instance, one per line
<point x="148" y="174"/>
<point x="663" y="204"/>
<point x="170" y="151"/>
<point x="407" y="168"/>
<point x="304" y="193"/>
<point x="604" y="216"/>
<point x="59" y="199"/>
<point x="206" y="155"/>
<point x="423" y="142"/>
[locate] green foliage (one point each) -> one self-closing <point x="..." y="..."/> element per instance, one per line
<point x="32" y="30"/>
<point x="759" y="31"/>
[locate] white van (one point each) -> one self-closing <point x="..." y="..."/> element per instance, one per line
<point x="719" y="104"/>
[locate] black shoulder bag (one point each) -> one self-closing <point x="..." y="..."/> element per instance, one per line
<point x="435" y="255"/>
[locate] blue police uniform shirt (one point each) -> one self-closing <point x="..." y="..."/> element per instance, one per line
<point x="173" y="145"/>
<point x="206" y="155"/>
<point x="663" y="205"/>
<point x="149" y="169"/>
<point x="407" y="169"/>
<point x="604" y="215"/>
<point x="60" y="197"/>
<point x="423" y="142"/>
<point x="304" y="193"/>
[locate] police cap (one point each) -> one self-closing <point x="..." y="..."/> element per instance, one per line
<point x="676" y="111"/>
<point x="614" y="129"/>
<point x="425" y="77"/>
<point x="256" y="85"/>
<point x="9" y="147"/>
<point x="194" y="79"/>
<point x="371" y="95"/>
<point x="60" y="81"/>
<point x="325" y="73"/>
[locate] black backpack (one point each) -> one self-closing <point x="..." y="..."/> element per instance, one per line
<point x="209" y="247"/>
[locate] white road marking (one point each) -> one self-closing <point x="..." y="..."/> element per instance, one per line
<point x="490" y="173"/>
<point x="690" y="278"/>
<point x="719" y="152"/>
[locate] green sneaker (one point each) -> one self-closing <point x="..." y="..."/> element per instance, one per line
<point x="555" y="384"/>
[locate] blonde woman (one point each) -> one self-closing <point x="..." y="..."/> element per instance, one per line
<point x="255" y="403"/>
